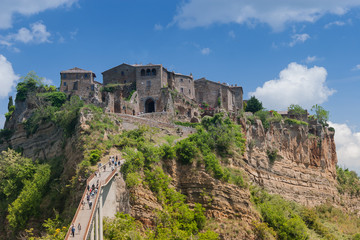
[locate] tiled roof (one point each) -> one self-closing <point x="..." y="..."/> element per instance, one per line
<point x="75" y="70"/>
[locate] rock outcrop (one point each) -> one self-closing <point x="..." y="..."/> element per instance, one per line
<point x="304" y="164"/>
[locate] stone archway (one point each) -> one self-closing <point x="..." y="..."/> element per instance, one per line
<point x="149" y="105"/>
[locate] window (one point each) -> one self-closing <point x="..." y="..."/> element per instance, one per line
<point x="64" y="76"/>
<point x="142" y="72"/>
<point x="64" y="83"/>
<point x="148" y="72"/>
<point x="92" y="87"/>
<point x="124" y="81"/>
<point x="148" y="84"/>
<point x="122" y="73"/>
<point x="181" y="80"/>
<point x="153" y="72"/>
<point x="75" y="87"/>
<point x="86" y="75"/>
<point x="182" y="90"/>
<point x="189" y="91"/>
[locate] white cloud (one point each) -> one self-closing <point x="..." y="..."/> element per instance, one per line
<point x="297" y="84"/>
<point x="7" y="77"/>
<point x="357" y="67"/>
<point x="36" y="34"/>
<point x="205" y="51"/>
<point x="298" y="38"/>
<point x="311" y="59"/>
<point x="347" y="146"/>
<point x="336" y="23"/>
<point x="232" y="34"/>
<point x="158" y="27"/>
<point x="276" y="13"/>
<point x="27" y="7"/>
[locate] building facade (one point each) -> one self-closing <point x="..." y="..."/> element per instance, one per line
<point x="79" y="82"/>
<point x="137" y="89"/>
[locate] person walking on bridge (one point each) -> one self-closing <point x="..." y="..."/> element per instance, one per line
<point x="72" y="230"/>
<point x="79" y="227"/>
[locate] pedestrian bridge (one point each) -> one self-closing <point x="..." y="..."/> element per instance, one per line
<point x="104" y="204"/>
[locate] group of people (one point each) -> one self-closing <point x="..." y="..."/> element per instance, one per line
<point x="92" y="190"/>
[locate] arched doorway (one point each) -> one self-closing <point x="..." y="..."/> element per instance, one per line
<point x="149" y="105"/>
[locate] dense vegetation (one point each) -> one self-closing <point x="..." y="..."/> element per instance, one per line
<point x="23" y="186"/>
<point x="287" y="220"/>
<point x="348" y="181"/>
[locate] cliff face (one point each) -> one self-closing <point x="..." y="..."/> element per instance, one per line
<point x="304" y="169"/>
<point x="223" y="202"/>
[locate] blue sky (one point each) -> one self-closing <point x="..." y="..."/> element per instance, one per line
<point x="301" y="51"/>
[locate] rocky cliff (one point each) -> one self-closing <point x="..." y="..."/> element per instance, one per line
<point x="296" y="161"/>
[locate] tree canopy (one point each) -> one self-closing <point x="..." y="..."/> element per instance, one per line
<point x="253" y="105"/>
<point x="320" y="114"/>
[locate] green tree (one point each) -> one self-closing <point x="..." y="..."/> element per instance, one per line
<point x="11" y="103"/>
<point x="29" y="199"/>
<point x="296" y="109"/>
<point x="28" y="84"/>
<point x="320" y="114"/>
<point x="253" y="105"/>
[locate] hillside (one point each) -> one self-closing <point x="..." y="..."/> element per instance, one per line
<point x="219" y="179"/>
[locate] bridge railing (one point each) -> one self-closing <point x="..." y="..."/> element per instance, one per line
<point x="80" y="205"/>
<point x="107" y="180"/>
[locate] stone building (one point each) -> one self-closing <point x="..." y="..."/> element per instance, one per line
<point x="138" y="89"/>
<point x="151" y="82"/>
<point x="219" y="95"/>
<point x="79" y="82"/>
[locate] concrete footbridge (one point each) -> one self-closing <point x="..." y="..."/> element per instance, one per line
<point x="89" y="214"/>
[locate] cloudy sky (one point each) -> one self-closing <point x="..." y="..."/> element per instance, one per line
<point x="284" y="52"/>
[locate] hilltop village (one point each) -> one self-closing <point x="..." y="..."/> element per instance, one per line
<point x="140" y="89"/>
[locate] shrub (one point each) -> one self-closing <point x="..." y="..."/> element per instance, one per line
<point x="68" y="116"/>
<point x="94" y="156"/>
<point x="348" y="181"/>
<point x="208" y="235"/>
<point x="331" y="129"/>
<point x="134" y="161"/>
<point x="272" y="155"/>
<point x="187" y="124"/>
<point x="263" y="116"/>
<point x="356" y="236"/>
<point x="133" y="179"/>
<point x="122" y="227"/>
<point x="168" y="152"/>
<point x="186" y="151"/>
<point x="56" y="99"/>
<point x="263" y="231"/>
<point x="296" y="109"/>
<point x="212" y="165"/>
<point x="295" y="121"/>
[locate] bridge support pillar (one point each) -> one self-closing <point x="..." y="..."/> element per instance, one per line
<point x="101" y="215"/>
<point x="92" y="234"/>
<point x="96" y="224"/>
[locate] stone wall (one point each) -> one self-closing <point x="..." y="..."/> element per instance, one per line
<point x="149" y="87"/>
<point x="185" y="85"/>
<point x="218" y="95"/>
<point x="122" y="74"/>
<point x="81" y="84"/>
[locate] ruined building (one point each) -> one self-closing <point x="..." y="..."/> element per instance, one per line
<point x="137" y="89"/>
